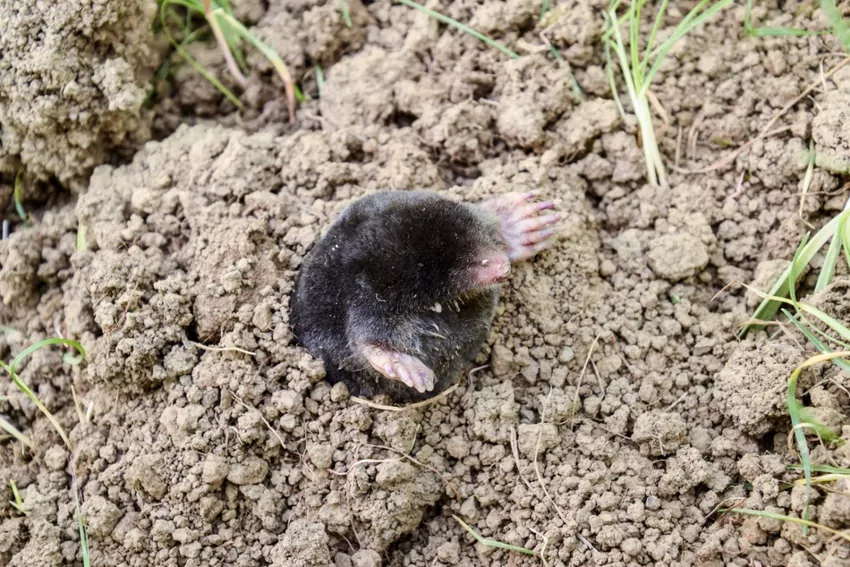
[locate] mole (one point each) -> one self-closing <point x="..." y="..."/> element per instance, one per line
<point x="398" y="296"/>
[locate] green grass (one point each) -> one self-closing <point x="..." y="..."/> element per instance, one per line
<point x="773" y="516"/>
<point x="16" y="197"/>
<point x="811" y="322"/>
<point x="345" y="10"/>
<point x="320" y="79"/>
<point x="17" y="503"/>
<point x="13" y="431"/>
<point x="492" y="542"/>
<point x="639" y="67"/>
<point x="492" y="42"/>
<point x="823" y="469"/>
<point x="544" y="9"/>
<point x="229" y="34"/>
<point x="837" y="233"/>
<point x="837" y="22"/>
<point x="12" y="370"/>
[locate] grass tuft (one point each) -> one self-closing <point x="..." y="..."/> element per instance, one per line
<point x="798" y="416"/>
<point x="639" y="68"/>
<point x="229" y="33"/>
<point x="836" y="232"/>
<point x="12" y="370"/>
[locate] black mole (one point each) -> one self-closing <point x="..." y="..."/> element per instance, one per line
<point x="399" y="295"/>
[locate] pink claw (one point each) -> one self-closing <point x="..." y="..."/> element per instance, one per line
<point x="524" y="231"/>
<point x="405" y="368"/>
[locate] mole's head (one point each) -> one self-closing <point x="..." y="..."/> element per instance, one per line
<point x="429" y="251"/>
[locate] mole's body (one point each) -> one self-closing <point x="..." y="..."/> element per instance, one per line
<point x="399" y="295"/>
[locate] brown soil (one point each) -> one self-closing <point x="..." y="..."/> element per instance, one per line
<point x="617" y="411"/>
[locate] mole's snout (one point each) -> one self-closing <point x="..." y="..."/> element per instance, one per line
<point x="493" y="267"/>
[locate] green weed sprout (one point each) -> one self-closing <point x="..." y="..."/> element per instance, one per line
<point x="492" y="542"/>
<point x="12" y="370"/>
<point x="17" y="503"/>
<point x="228" y="32"/>
<point x="345" y="10"/>
<point x="639" y="69"/>
<point x="16" y="197"/>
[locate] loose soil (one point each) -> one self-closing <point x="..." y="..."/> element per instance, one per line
<point x="613" y="410"/>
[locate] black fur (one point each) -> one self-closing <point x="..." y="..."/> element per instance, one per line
<point x="378" y="275"/>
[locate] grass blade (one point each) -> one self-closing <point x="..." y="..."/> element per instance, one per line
<point x="45" y="343"/>
<point x="462" y="27"/>
<point x="11" y="369"/>
<point x="225" y="42"/>
<point x="191" y="60"/>
<point x="845" y="240"/>
<point x="772" y="32"/>
<point x="795" y="411"/>
<point x="15" y="432"/>
<point x="802" y="522"/>
<point x="634" y="48"/>
<point x="800" y="436"/>
<point x="770" y="304"/>
<point x="823" y="469"/>
<point x="827" y="272"/>
<point x="345" y="10"/>
<point x="811" y="310"/>
<point x="493" y="542"/>
<point x="320" y="79"/>
<point x="843" y="364"/>
<point x="807" y="179"/>
<point x="544" y="9"/>
<point x="836" y="20"/>
<point x="609" y="70"/>
<point x="660" y="52"/>
<point x="797" y="266"/>
<point x="17" y="503"/>
<point x="828" y="320"/>
<point x="269" y="54"/>
<point x="823" y="479"/>
<point x="659" y="17"/>
<point x="81" y="525"/>
<point x="16" y="197"/>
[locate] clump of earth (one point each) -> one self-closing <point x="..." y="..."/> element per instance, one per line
<point x="613" y="410"/>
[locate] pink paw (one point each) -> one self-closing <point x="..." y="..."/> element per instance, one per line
<point x="524" y="230"/>
<point x="402" y="367"/>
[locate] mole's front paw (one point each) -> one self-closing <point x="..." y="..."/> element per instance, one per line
<point x="522" y="227"/>
<point x="402" y="367"/>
